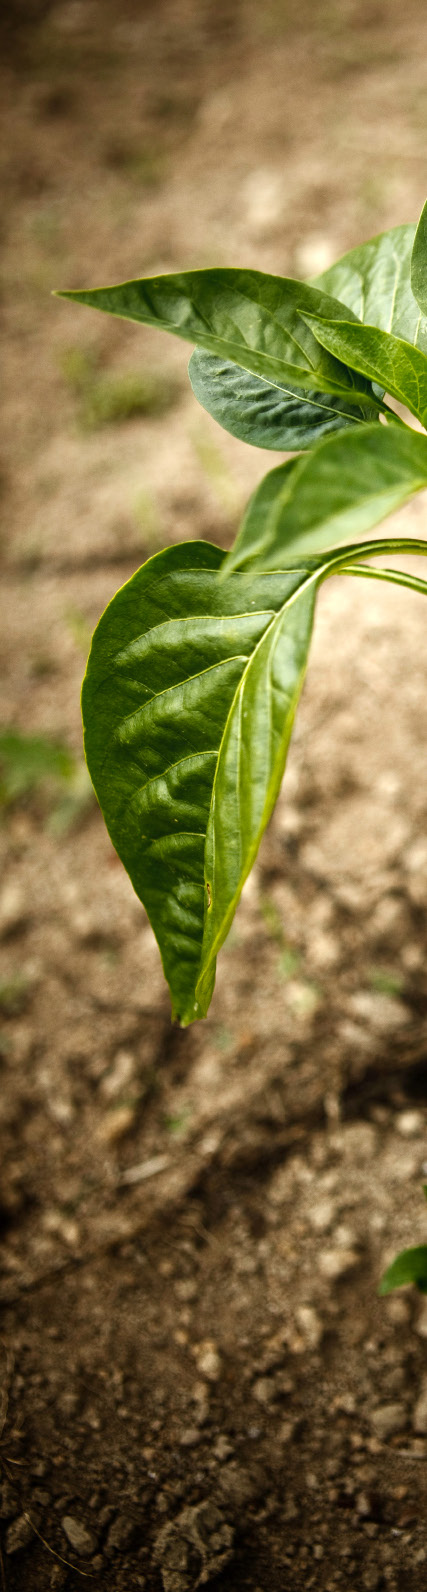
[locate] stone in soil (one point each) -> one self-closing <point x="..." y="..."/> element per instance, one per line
<point x="19" y="1534"/>
<point x="194" y="1548"/>
<point x="80" y="1538"/>
<point x="388" y="1420"/>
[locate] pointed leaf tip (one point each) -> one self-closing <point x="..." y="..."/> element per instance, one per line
<point x="419" y="262"/>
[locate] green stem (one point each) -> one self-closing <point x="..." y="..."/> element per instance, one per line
<point x="335" y="562"/>
<point x="395" y="576"/>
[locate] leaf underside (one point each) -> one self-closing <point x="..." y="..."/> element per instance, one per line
<point x="264" y="415"/>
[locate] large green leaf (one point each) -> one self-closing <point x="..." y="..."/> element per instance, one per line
<point x="419" y="262"/>
<point x="255" y="320"/>
<point x="338" y="491"/>
<point x="374" y="281"/>
<point x="395" y="365"/>
<point x="409" y="1266"/>
<point x="260" y="413"/>
<point x="188" y="706"/>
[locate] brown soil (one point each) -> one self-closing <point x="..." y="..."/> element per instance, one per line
<point x="197" y="1370"/>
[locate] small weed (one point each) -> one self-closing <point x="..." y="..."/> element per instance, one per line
<point x="272" y="920"/>
<point x="78" y="628"/>
<point x="149" y="521"/>
<point x="105" y="399"/>
<point x="28" y="762"/>
<point x="386" y="980"/>
<point x="224" y="1039"/>
<point x="14" y="994"/>
<point x="33" y="766"/>
<point x="216" y="471"/>
<point x="289" y="962"/>
<point x="177" y="1125"/>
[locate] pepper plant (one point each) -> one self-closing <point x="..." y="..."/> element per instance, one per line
<point x="197" y="664"/>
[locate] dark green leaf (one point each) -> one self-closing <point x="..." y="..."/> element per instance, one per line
<point x="397" y="366"/>
<point x="374" y="281"/>
<point x="338" y="491"/>
<point x="260" y="413"/>
<point x="255" y="320"/>
<point x="188" y="705"/>
<point x="409" y="1266"/>
<point x="419" y="262"/>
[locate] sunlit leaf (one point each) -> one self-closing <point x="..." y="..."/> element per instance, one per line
<point x="419" y="262"/>
<point x="397" y="366"/>
<point x="335" y="493"/>
<point x="188" y="704"/>
<point x="374" y="281"/>
<point x="255" y="320"/>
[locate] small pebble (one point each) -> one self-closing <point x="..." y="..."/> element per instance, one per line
<point x="80" y="1538"/>
<point x="116" y="1124"/>
<point x="334" y="1263"/>
<point x="388" y="1420"/>
<point x="190" y="1437"/>
<point x="263" y="1390"/>
<point x="208" y="1361"/>
<point x="409" y="1123"/>
<point x="19" y="1534"/>
<point x="121" y="1533"/>
<point x="311" y="1325"/>
<point x="222" y="1448"/>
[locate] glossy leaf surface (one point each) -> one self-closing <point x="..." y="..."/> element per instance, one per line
<point x="337" y="492"/>
<point x="419" y="262"/>
<point x="255" y="320"/>
<point x="188" y="706"/>
<point x="397" y="366"/>
<point x="264" y="415"/>
<point x="409" y="1266"/>
<point x="374" y="281"/>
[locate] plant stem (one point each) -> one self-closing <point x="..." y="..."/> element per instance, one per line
<point x="395" y="576"/>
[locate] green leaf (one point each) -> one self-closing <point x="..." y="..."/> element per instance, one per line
<point x="188" y="706"/>
<point x="340" y="490"/>
<point x="262" y="414"/>
<point x="409" y="1266"/>
<point x="255" y="320"/>
<point x="374" y="281"/>
<point x="397" y="366"/>
<point x="419" y="262"/>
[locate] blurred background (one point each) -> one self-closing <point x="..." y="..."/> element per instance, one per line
<point x="199" y="1383"/>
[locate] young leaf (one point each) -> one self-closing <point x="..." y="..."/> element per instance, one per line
<point x="419" y="262"/>
<point x="409" y="1266"/>
<point x="340" y="490"/>
<point x="188" y="706"/>
<point x="397" y="366"/>
<point x="255" y="320"/>
<point x="260" y="413"/>
<point x="374" y="281"/>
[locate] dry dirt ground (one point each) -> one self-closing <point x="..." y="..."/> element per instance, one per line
<point x="200" y="1383"/>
